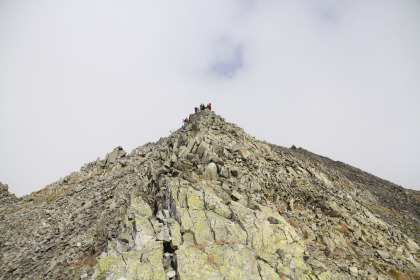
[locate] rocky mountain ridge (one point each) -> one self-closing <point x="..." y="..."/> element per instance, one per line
<point x="212" y="202"/>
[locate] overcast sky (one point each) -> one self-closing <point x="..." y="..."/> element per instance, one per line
<point x="78" y="78"/>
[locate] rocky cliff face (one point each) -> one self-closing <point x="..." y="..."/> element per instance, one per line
<point x="212" y="203"/>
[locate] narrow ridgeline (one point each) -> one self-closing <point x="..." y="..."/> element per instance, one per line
<point x="212" y="202"/>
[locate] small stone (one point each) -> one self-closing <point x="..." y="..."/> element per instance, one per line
<point x="79" y="188"/>
<point x="281" y="254"/>
<point x="201" y="149"/>
<point x="243" y="153"/>
<point x="226" y="187"/>
<point x="166" y="213"/>
<point x="273" y="220"/>
<point x="363" y="273"/>
<point x="211" y="168"/>
<point x="223" y="172"/>
<point x="384" y="255"/>
<point x="353" y="271"/>
<point x="343" y="268"/>
<point x="171" y="274"/>
<point x="160" y="216"/>
<point x="234" y="172"/>
<point x="382" y="277"/>
<point x="167" y="258"/>
<point x="291" y="204"/>
<point x="116" y="153"/>
<point x="164" y="235"/>
<point x="174" y="158"/>
<point x="236" y="195"/>
<point x="412" y="246"/>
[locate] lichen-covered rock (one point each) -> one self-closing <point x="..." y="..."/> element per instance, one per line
<point x="132" y="265"/>
<point x="212" y="202"/>
<point x="144" y="258"/>
<point x="229" y="261"/>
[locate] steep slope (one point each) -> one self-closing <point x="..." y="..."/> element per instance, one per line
<point x="382" y="195"/>
<point x="212" y="202"/>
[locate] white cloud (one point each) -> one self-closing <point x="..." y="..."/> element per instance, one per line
<point x="79" y="78"/>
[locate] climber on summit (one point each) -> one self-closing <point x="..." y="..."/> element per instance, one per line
<point x="209" y="106"/>
<point x="202" y="107"/>
<point x="184" y="122"/>
<point x="196" y="110"/>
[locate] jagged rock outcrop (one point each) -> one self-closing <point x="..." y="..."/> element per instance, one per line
<point x="4" y="191"/>
<point x="212" y="202"/>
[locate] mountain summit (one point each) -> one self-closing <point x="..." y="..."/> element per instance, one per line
<point x="212" y="202"/>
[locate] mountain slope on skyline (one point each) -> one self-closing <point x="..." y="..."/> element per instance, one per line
<point x="215" y="203"/>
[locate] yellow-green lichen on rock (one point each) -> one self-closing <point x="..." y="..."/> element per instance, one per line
<point x="139" y="207"/>
<point x="211" y="202"/>
<point x="206" y="223"/>
<point x="185" y="219"/>
<point x="201" y="227"/>
<point x="188" y="239"/>
<point x="226" y="230"/>
<point x="267" y="272"/>
<point x="215" y="204"/>
<point x="145" y="259"/>
<point x="195" y="199"/>
<point x="229" y="261"/>
<point x="132" y="265"/>
<point x="175" y="231"/>
<point x="194" y="264"/>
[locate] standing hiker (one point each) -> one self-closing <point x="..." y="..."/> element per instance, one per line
<point x="209" y="106"/>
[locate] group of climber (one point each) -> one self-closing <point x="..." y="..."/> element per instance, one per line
<point x="196" y="110"/>
<point x="202" y="108"/>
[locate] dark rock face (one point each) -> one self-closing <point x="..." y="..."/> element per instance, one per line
<point x="212" y="202"/>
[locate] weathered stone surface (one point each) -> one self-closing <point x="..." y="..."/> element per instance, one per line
<point x="412" y="246"/>
<point x="217" y="262"/>
<point x="129" y="266"/>
<point x="212" y="203"/>
<point x="118" y="152"/>
<point x="212" y="168"/>
<point x="236" y="195"/>
<point x="384" y="255"/>
<point x="201" y="149"/>
<point x="243" y="153"/>
<point x="4" y="191"/>
<point x="175" y="233"/>
<point x="353" y="271"/>
<point x="267" y="272"/>
<point x="171" y="274"/>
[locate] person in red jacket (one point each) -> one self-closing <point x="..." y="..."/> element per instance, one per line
<point x="209" y="106"/>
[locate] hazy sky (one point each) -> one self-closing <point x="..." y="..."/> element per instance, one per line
<point x="78" y="78"/>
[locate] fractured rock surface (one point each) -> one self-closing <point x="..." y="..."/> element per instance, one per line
<point x="212" y="202"/>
